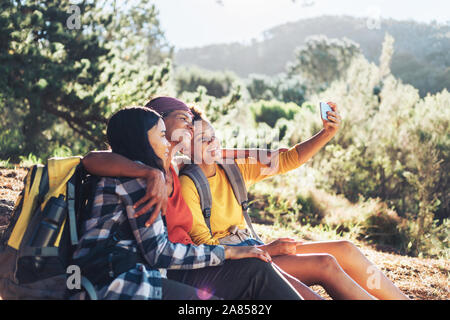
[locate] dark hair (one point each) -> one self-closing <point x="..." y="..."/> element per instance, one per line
<point x="197" y="113"/>
<point x="127" y="135"/>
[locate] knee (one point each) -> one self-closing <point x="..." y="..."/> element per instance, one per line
<point x="327" y="265"/>
<point x="347" y="248"/>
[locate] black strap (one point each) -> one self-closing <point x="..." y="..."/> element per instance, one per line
<point x="71" y="212"/>
<point x="44" y="185"/>
<point x="234" y="175"/>
<point x="195" y="173"/>
<point x="237" y="182"/>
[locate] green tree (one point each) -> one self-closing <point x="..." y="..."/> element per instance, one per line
<point x="66" y="68"/>
<point x="281" y="87"/>
<point x="271" y="111"/>
<point x="217" y="84"/>
<point x="48" y="70"/>
<point x="322" y="60"/>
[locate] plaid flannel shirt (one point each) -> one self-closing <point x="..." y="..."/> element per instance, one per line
<point x="112" y="206"/>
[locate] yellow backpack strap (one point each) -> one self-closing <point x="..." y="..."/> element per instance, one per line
<point x="30" y="198"/>
<point x="60" y="171"/>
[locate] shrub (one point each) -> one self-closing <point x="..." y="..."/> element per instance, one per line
<point x="217" y="84"/>
<point x="271" y="111"/>
<point x="281" y="87"/>
<point x="384" y="227"/>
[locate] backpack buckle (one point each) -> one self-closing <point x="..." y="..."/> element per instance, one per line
<point x="244" y="205"/>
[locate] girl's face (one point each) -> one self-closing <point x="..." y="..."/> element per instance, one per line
<point x="158" y="141"/>
<point x="206" y="143"/>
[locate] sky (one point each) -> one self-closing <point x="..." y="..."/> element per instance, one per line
<point x="192" y="23"/>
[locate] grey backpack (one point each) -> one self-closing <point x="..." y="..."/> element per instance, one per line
<point x="195" y="173"/>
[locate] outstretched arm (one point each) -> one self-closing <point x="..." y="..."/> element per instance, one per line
<point x="307" y="149"/>
<point x="259" y="154"/>
<point x="296" y="155"/>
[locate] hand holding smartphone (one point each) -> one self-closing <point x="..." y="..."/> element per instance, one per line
<point x="324" y="108"/>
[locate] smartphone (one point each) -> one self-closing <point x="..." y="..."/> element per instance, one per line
<point x="324" y="108"/>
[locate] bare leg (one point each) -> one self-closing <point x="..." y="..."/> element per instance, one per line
<point x="357" y="266"/>
<point x="324" y="270"/>
<point x="299" y="286"/>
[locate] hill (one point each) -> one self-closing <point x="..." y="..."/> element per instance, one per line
<point x="421" y="57"/>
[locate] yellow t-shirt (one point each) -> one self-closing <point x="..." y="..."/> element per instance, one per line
<point x="225" y="210"/>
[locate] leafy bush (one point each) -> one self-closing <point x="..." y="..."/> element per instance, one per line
<point x="322" y="60"/>
<point x="271" y="111"/>
<point x="6" y="164"/>
<point x="261" y="87"/>
<point x="30" y="160"/>
<point x="392" y="145"/>
<point x="217" y="84"/>
<point x="382" y="143"/>
<point x="60" y="85"/>
<point x="383" y="227"/>
<point x="281" y="87"/>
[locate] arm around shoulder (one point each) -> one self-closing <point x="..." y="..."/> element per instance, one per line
<point x="110" y="164"/>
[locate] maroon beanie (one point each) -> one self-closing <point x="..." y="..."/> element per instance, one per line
<point x="165" y="105"/>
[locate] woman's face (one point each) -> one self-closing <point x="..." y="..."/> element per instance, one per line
<point x="206" y="143"/>
<point x="158" y="141"/>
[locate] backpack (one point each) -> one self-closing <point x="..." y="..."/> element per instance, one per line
<point x="36" y="248"/>
<point x="233" y="173"/>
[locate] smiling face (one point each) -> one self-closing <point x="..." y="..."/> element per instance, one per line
<point x="158" y="141"/>
<point x="179" y="127"/>
<point x="205" y="143"/>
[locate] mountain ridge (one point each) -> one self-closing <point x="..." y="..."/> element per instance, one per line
<point x="421" y="56"/>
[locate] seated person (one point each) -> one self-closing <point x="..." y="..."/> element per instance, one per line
<point x="178" y="121"/>
<point x="125" y="259"/>
<point x="339" y="266"/>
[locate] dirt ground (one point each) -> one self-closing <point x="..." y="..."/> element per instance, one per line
<point x="420" y="279"/>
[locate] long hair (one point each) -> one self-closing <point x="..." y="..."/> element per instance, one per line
<point x="127" y="135"/>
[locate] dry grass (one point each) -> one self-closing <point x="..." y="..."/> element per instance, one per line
<point x="11" y="183"/>
<point x="422" y="279"/>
